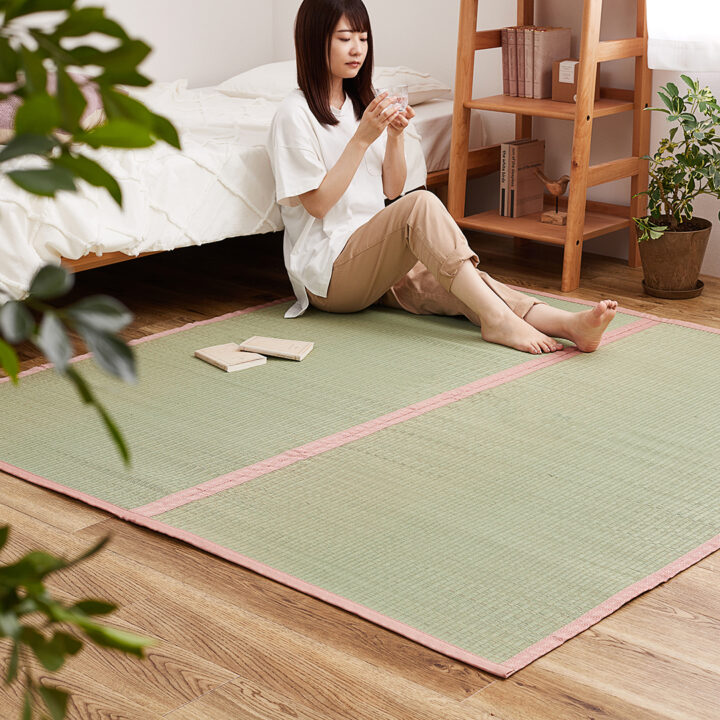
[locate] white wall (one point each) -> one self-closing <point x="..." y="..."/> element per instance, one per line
<point x="205" y="42"/>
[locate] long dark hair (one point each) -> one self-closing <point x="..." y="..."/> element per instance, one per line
<point x="314" y="25"/>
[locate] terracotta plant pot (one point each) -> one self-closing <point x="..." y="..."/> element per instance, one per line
<point x="671" y="263"/>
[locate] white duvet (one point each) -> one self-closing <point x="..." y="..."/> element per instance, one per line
<point x="219" y="186"/>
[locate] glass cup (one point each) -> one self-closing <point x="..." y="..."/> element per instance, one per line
<point x="398" y="94"/>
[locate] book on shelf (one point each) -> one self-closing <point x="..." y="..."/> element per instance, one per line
<point x="278" y="347"/>
<point x="550" y="44"/>
<point x="529" y="60"/>
<point x="229" y="357"/>
<point x="503" y="177"/>
<point x="505" y="174"/>
<point x="505" y="60"/>
<point x="520" y="60"/>
<point x="512" y="61"/>
<point x="525" y="194"/>
<point x="528" y="52"/>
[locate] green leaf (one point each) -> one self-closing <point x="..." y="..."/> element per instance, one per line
<point x="111" y="353"/>
<point x="128" y="55"/>
<point x="72" y="102"/>
<point x="672" y="89"/>
<point x="32" y="66"/>
<point x="91" y="172"/>
<point x="55" y="701"/>
<point x="118" y="105"/>
<point x="118" y="639"/>
<point x="28" y="144"/>
<point x="666" y="100"/>
<point x="27" y="704"/>
<point x="9" y="625"/>
<point x="65" y="643"/>
<point x="117" y="132"/>
<point x="82" y="387"/>
<point x="96" y="548"/>
<point x="16" y="322"/>
<point x="101" y="312"/>
<point x="9" y="362"/>
<point x="25" y="7"/>
<point x="39" y="114"/>
<point x="45" y="181"/>
<point x="123" y="77"/>
<point x="88" y="397"/>
<point x="54" y="341"/>
<point x="8" y="62"/>
<point x="166" y="131"/>
<point x="31" y="568"/>
<point x="123" y="58"/>
<point x="51" y="281"/>
<point x="51" y="657"/>
<point x="688" y="81"/>
<point x="13" y="664"/>
<point x="94" y="607"/>
<point x="84" y="21"/>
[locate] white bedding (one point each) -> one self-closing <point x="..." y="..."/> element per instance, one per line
<point x="433" y="120"/>
<point x="219" y="186"/>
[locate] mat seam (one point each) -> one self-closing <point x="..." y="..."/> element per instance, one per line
<point x="341" y="438"/>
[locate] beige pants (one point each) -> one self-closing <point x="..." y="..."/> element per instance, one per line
<point x="407" y="257"/>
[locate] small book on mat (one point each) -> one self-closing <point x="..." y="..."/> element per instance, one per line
<point x="230" y="357"/>
<point x="277" y="347"/>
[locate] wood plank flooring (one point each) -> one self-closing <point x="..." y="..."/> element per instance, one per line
<point x="234" y="645"/>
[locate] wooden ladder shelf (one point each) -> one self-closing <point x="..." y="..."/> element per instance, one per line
<point x="586" y="219"/>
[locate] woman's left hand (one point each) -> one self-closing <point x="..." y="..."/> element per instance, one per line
<point x="397" y="126"/>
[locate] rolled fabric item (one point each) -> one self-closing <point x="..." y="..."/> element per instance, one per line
<point x="684" y="39"/>
<point x="93" y="115"/>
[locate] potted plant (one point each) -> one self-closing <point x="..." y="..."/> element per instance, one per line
<point x="672" y="240"/>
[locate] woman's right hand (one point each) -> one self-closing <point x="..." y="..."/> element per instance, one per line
<point x="377" y="116"/>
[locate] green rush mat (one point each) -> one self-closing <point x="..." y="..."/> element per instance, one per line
<point x="484" y="502"/>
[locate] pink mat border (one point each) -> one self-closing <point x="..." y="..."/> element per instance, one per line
<point x="504" y="669"/>
<point x="622" y="310"/>
<point x="154" y="336"/>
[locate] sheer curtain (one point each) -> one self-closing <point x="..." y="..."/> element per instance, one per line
<point x="684" y="35"/>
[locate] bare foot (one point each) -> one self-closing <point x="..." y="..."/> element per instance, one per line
<point x="510" y="330"/>
<point x="586" y="328"/>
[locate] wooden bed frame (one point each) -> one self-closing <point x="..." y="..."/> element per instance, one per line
<point x="480" y="162"/>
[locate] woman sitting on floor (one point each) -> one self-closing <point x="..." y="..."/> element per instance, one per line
<point x="336" y="153"/>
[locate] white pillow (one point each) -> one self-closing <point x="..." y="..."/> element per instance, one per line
<point x="421" y="86"/>
<point x="273" y="81"/>
<point x="276" y="81"/>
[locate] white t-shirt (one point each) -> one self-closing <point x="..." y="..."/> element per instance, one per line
<point x="302" y="151"/>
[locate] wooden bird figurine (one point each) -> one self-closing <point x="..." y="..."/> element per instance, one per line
<point x="556" y="188"/>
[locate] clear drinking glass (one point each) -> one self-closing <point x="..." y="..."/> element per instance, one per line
<point x="398" y="94"/>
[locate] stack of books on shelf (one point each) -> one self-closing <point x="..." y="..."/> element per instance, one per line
<point x="521" y="190"/>
<point x="528" y="52"/>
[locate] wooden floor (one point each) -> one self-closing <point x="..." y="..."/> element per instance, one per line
<point x="234" y="645"/>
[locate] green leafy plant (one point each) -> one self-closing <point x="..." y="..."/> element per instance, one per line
<point x="24" y="600"/>
<point x="687" y="161"/>
<point x="48" y="124"/>
<point x="45" y="65"/>
<point x="97" y="319"/>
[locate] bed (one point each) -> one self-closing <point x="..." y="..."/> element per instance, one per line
<point x="219" y="186"/>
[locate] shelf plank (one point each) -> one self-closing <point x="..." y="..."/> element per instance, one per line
<point x="529" y="226"/>
<point x="546" y="108"/>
